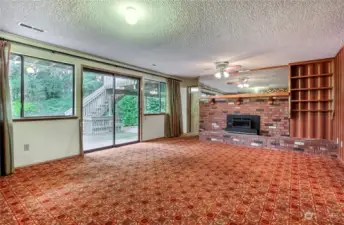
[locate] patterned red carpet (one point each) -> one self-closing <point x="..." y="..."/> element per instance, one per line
<point x="178" y="181"/>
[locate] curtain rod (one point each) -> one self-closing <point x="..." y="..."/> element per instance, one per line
<point x="85" y="58"/>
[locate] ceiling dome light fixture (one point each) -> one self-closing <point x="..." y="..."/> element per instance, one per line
<point x="131" y="16"/>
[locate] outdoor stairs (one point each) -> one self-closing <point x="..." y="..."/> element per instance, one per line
<point x="97" y="118"/>
<point x="97" y="103"/>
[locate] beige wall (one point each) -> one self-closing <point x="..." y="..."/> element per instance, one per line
<point x="189" y="82"/>
<point x="183" y="94"/>
<point x="50" y="140"/>
<point x="194" y="112"/>
<point x="153" y="127"/>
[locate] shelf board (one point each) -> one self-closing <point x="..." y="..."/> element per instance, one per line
<point x="311" y="110"/>
<point x="313" y="75"/>
<point x="254" y="95"/>
<point x="311" y="89"/>
<point x="327" y="100"/>
<point x="311" y="62"/>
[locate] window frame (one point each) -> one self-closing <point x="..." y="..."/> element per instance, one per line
<point x="159" y="91"/>
<point x="22" y="91"/>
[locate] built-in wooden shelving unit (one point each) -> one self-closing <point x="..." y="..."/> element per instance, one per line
<point x="311" y="99"/>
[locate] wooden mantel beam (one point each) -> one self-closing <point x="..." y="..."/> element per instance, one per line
<point x="253" y="95"/>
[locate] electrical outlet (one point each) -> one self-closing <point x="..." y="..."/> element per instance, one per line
<point x="26" y="147"/>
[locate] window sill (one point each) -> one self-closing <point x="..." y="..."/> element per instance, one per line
<point x="154" y="114"/>
<point x="28" y="119"/>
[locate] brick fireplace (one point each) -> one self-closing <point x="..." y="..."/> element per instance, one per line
<point x="274" y="120"/>
<point x="274" y="126"/>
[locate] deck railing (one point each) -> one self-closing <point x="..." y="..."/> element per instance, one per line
<point x="100" y="125"/>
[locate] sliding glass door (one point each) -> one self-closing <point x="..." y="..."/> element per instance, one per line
<point x="110" y="110"/>
<point x="126" y="110"/>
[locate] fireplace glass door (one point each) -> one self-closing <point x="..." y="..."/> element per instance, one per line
<point x="243" y="123"/>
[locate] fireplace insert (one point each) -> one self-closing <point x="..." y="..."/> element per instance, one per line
<point x="246" y="124"/>
<point x="243" y="123"/>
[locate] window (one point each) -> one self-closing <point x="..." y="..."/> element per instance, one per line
<point x="15" y="84"/>
<point x="41" y="88"/>
<point x="155" y="97"/>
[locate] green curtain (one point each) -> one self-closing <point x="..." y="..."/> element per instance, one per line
<point x="173" y="120"/>
<point x="6" y="123"/>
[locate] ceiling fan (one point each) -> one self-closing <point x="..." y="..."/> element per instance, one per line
<point x="223" y="69"/>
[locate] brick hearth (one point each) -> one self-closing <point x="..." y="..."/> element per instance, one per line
<point x="309" y="146"/>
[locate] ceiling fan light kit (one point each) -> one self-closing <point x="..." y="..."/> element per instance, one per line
<point x="218" y="75"/>
<point x="243" y="83"/>
<point x="223" y="70"/>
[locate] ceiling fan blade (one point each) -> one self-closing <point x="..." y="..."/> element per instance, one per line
<point x="232" y="68"/>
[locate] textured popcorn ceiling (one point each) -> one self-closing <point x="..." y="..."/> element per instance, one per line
<point x="184" y="37"/>
<point x="258" y="80"/>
